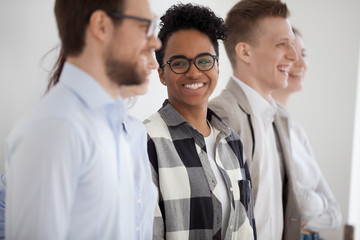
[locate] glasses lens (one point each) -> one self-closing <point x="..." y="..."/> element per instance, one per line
<point x="152" y="28"/>
<point x="205" y="62"/>
<point x="179" y="65"/>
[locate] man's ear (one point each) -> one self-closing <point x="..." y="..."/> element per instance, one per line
<point x="243" y="51"/>
<point x="161" y="75"/>
<point x="100" y="25"/>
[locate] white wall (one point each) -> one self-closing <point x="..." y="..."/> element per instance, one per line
<point x="27" y="33"/>
<point x="354" y="206"/>
<point x="325" y="107"/>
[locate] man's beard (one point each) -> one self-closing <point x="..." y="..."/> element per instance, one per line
<point x="123" y="73"/>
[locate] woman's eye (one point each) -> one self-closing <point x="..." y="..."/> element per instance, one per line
<point x="178" y="64"/>
<point x="204" y="62"/>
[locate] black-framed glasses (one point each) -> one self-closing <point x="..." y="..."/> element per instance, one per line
<point x="181" y="64"/>
<point x="152" y="23"/>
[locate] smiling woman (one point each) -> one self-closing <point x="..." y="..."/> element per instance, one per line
<point x="203" y="181"/>
<point x="188" y="87"/>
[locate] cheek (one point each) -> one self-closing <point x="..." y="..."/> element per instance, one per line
<point x="214" y="79"/>
<point x="171" y="78"/>
<point x="305" y="65"/>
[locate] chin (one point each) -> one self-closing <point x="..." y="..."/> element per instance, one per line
<point x="143" y="90"/>
<point x="295" y="86"/>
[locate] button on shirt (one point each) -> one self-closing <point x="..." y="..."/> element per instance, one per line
<point x="70" y="168"/>
<point x="268" y="206"/>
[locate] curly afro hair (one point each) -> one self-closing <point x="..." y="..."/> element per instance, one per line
<point x="189" y="16"/>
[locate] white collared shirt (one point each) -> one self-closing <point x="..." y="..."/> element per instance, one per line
<point x="269" y="205"/>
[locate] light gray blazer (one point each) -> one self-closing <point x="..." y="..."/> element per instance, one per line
<point x="233" y="107"/>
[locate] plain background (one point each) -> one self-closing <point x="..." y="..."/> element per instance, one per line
<point x="326" y="107"/>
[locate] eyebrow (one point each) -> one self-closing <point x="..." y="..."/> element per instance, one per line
<point x="286" y="39"/>
<point x="177" y="56"/>
<point x="182" y="56"/>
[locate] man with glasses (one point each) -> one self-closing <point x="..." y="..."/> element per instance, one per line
<point x="70" y="170"/>
<point x="197" y="162"/>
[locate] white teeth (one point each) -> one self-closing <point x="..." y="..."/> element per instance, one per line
<point x="194" y="86"/>
<point x="284" y="68"/>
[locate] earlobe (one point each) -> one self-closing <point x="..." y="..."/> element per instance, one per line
<point x="243" y="51"/>
<point x="161" y="76"/>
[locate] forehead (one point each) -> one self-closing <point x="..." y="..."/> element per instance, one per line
<point x="299" y="43"/>
<point x="189" y="43"/>
<point x="274" y="28"/>
<point x="140" y="8"/>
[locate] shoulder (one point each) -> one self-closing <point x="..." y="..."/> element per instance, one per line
<point x="57" y="117"/>
<point x="299" y="135"/>
<point x="156" y="126"/>
<point x="226" y="107"/>
<point x="224" y="99"/>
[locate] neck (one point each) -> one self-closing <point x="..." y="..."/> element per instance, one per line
<point x="94" y="66"/>
<point x="251" y="82"/>
<point x="281" y="97"/>
<point x="196" y="116"/>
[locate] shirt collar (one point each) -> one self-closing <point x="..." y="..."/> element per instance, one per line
<point x="260" y="106"/>
<point x="173" y="118"/>
<point x="91" y="93"/>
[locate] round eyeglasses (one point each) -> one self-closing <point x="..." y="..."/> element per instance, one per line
<point x="181" y="64"/>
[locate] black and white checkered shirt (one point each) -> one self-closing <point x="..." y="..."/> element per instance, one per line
<point x="189" y="202"/>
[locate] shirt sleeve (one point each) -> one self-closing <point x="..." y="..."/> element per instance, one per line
<point x="42" y="166"/>
<point x="329" y="214"/>
<point x="320" y="209"/>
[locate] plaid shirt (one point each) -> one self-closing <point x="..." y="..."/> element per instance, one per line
<point x="189" y="202"/>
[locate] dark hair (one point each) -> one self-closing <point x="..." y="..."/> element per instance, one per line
<point x="243" y="18"/>
<point x="72" y="17"/>
<point x="56" y="70"/>
<point x="179" y="17"/>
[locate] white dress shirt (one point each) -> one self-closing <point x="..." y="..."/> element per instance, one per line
<point x="317" y="204"/>
<point x="268" y="206"/>
<point x="70" y="168"/>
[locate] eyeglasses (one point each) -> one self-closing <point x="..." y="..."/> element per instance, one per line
<point x="152" y="23"/>
<point x="181" y="64"/>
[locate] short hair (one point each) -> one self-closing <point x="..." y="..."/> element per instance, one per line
<point x="243" y="18"/>
<point x="72" y="17"/>
<point x="189" y="16"/>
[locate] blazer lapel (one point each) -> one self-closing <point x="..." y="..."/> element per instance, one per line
<point x="247" y="134"/>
